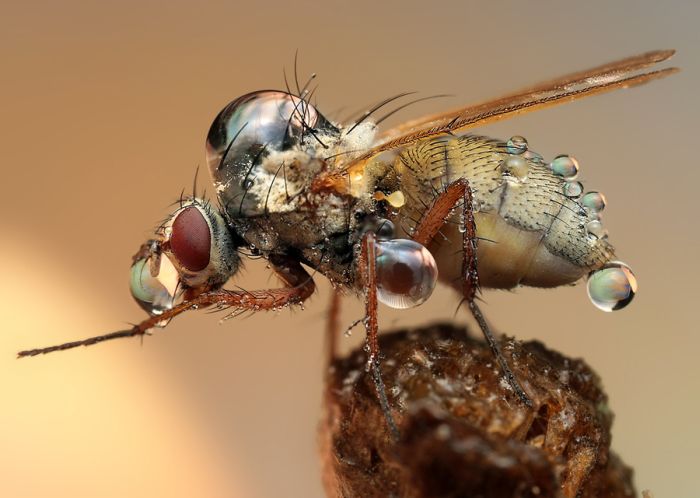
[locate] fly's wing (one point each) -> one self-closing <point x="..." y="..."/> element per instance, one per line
<point x="620" y="74"/>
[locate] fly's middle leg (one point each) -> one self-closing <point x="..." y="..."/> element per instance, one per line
<point x="368" y="268"/>
<point x="428" y="227"/>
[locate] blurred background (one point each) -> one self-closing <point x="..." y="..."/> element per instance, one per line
<point x="105" y="107"/>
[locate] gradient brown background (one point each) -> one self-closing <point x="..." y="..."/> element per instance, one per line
<point x="104" y="112"/>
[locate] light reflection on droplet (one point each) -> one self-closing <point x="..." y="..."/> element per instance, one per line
<point x="406" y="273"/>
<point x="533" y="156"/>
<point x="515" y="166"/>
<point x="595" y="201"/>
<point x="154" y="294"/>
<point x="565" y="166"/>
<point x="573" y="189"/>
<point x="595" y="228"/>
<point x="612" y="287"/>
<point x="516" y="145"/>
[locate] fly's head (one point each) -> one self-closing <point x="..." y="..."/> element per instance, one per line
<point x="264" y="151"/>
<point x="193" y="251"/>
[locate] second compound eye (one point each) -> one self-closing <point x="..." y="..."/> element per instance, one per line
<point x="190" y="239"/>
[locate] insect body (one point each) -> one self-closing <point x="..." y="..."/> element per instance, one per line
<point x="383" y="214"/>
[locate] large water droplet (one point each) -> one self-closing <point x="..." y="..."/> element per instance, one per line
<point x="154" y="294"/>
<point x="595" y="201"/>
<point x="565" y="166"/>
<point x="406" y="273"/>
<point x="516" y="145"/>
<point x="612" y="287"/>
<point x="573" y="189"/>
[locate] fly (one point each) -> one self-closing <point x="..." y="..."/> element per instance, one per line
<point x="384" y="214"/>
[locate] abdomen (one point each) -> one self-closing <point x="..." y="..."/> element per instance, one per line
<point x="530" y="231"/>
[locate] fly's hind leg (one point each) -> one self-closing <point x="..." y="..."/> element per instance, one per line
<point x="429" y="225"/>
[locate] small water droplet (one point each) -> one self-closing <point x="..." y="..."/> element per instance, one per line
<point x="533" y="156"/>
<point x="516" y="145"/>
<point x="385" y="229"/>
<point x="515" y="166"/>
<point x="612" y="287"/>
<point x="573" y="189"/>
<point x="595" y="228"/>
<point x="248" y="184"/>
<point x="462" y="224"/>
<point x="564" y="166"/>
<point x="595" y="201"/>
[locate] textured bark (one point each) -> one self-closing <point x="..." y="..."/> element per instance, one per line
<point x="463" y="432"/>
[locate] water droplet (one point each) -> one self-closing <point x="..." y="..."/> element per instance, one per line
<point x="516" y="145"/>
<point x="515" y="166"/>
<point x="248" y="184"/>
<point x="462" y="224"/>
<point x="533" y="156"/>
<point x="154" y="294"/>
<point x="573" y="189"/>
<point x="565" y="166"/>
<point x="595" y="228"/>
<point x="595" y="201"/>
<point x="612" y="287"/>
<point x="406" y="273"/>
<point x="385" y="229"/>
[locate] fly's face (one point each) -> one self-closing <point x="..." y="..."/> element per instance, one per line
<point x="193" y="252"/>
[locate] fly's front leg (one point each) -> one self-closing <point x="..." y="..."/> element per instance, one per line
<point x="298" y="287"/>
<point x="368" y="269"/>
<point x="429" y="225"/>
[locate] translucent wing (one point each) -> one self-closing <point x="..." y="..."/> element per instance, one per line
<point x="620" y="74"/>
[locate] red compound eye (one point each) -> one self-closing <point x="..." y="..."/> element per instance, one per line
<point x="190" y="240"/>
